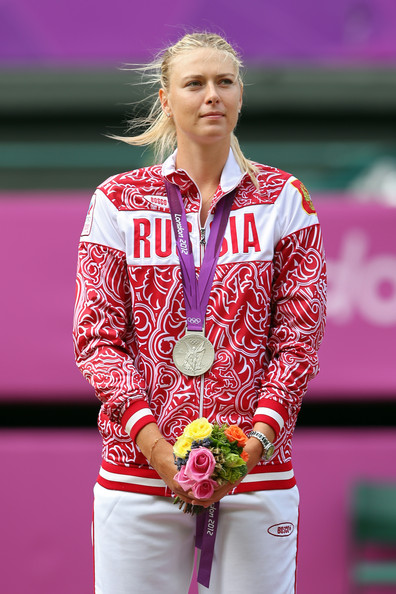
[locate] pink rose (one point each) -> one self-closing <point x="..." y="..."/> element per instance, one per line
<point x="204" y="489"/>
<point x="183" y="480"/>
<point x="200" y="464"/>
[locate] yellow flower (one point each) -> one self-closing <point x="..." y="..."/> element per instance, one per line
<point x="182" y="446"/>
<point x="198" y="429"/>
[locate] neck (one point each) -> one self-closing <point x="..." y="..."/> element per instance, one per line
<point x="204" y="164"/>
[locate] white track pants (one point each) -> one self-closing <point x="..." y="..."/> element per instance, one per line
<point x="144" y="544"/>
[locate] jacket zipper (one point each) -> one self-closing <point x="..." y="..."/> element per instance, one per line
<point x="202" y="242"/>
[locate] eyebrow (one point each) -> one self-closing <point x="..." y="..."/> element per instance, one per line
<point x="187" y="76"/>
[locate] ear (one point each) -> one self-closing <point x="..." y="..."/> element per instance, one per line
<point x="241" y="97"/>
<point x="163" y="97"/>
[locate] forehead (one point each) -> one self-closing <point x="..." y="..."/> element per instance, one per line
<point x="202" y="61"/>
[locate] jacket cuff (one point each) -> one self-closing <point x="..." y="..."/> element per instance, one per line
<point x="136" y="417"/>
<point x="272" y="413"/>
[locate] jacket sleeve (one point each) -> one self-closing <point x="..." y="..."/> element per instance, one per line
<point x="298" y="311"/>
<point x="103" y="324"/>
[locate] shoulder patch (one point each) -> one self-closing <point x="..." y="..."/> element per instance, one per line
<point x="306" y="201"/>
<point x="89" y="218"/>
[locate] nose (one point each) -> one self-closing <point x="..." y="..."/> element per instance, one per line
<point x="212" y="95"/>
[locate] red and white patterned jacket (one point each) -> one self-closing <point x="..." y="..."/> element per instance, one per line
<point x="265" y="315"/>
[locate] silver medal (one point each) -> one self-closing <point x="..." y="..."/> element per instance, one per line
<point x="193" y="354"/>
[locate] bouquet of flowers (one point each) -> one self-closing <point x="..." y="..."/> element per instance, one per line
<point x="207" y="456"/>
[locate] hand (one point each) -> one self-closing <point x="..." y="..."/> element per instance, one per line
<point x="159" y="453"/>
<point x="162" y="461"/>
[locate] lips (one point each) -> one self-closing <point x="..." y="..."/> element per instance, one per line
<point x="212" y="114"/>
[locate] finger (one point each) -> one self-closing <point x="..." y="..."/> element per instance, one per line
<point x="208" y="502"/>
<point x="183" y="495"/>
<point x="202" y="503"/>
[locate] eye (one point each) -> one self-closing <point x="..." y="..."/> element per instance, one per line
<point x="193" y="83"/>
<point x="226" y="81"/>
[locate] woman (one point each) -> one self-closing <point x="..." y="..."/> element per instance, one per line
<point x="259" y="325"/>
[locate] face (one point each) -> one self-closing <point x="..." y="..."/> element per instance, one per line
<point x="204" y="96"/>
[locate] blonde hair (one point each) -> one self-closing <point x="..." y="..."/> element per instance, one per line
<point x="160" y="130"/>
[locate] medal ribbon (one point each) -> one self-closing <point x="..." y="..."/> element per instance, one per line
<point x="196" y="292"/>
<point x="196" y="298"/>
<point x="206" y="528"/>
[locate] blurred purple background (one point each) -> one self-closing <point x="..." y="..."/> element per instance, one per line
<point x="72" y="32"/>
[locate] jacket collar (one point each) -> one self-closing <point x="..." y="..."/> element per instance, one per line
<point x="231" y="175"/>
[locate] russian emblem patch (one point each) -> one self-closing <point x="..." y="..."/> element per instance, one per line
<point x="306" y="200"/>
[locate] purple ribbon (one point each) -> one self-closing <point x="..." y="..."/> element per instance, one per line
<point x="205" y="537"/>
<point x="196" y="292"/>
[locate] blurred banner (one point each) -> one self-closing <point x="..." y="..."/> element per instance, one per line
<point x="123" y="31"/>
<point x="38" y="263"/>
<point x="358" y="353"/>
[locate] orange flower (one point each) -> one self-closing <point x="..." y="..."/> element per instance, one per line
<point x="244" y="456"/>
<point x="234" y="433"/>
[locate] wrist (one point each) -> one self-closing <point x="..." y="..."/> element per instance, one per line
<point x="254" y="449"/>
<point x="153" y="446"/>
<point x="268" y="431"/>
